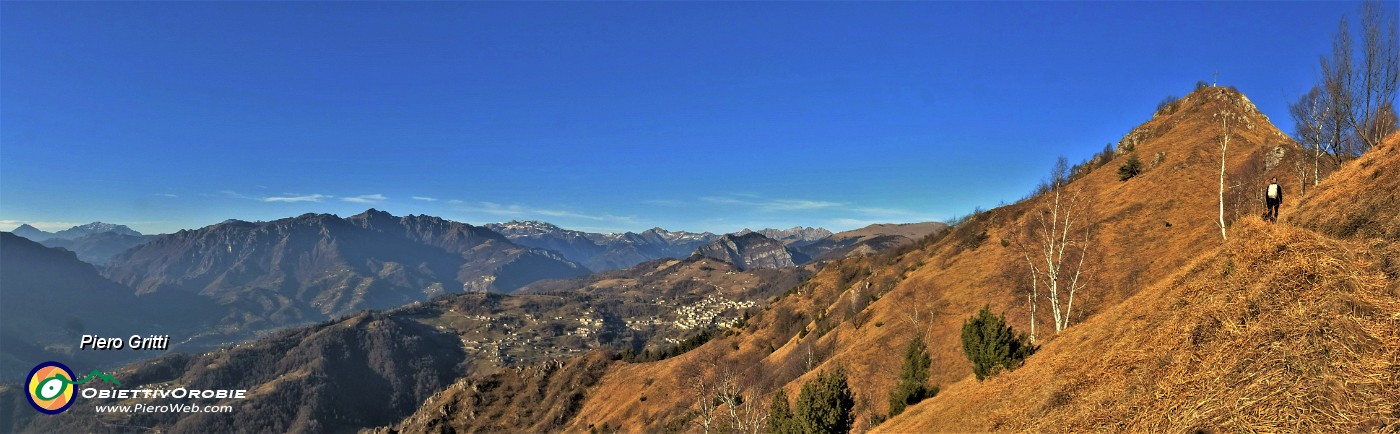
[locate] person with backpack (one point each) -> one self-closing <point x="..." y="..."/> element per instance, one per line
<point x="1273" y="197"/>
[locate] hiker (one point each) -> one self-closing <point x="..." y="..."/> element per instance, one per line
<point x="1273" y="197"/>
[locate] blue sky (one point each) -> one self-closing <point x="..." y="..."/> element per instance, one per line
<point x="599" y="116"/>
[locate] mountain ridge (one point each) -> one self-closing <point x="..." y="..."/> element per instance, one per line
<point x="603" y="252"/>
<point x="31" y="233"/>
<point x="795" y="235"/>
<point x="35" y="234"/>
<point x="316" y="266"/>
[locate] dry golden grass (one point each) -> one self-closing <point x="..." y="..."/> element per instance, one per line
<point x="1362" y="199"/>
<point x="1282" y="330"/>
<point x="1149" y="229"/>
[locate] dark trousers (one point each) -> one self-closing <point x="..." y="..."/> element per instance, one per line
<point x="1272" y="213"/>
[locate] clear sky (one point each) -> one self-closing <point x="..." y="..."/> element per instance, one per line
<point x="599" y="116"/>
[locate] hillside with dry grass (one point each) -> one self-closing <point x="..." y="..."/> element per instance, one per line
<point x="1287" y="328"/>
<point x="1281" y="330"/>
<point x="538" y="398"/>
<point x="1291" y="327"/>
<point x="858" y="313"/>
<point x="1362" y="199"/>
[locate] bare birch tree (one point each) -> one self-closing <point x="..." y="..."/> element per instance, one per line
<point x="1377" y="76"/>
<point x="705" y="402"/>
<point x="1224" y="144"/>
<point x="706" y="382"/>
<point x="746" y="414"/>
<point x="1311" y="122"/>
<point x="1361" y="85"/>
<point x="725" y="400"/>
<point x="1055" y="244"/>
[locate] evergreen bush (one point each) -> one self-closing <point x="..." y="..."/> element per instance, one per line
<point x="913" y="378"/>
<point x="1129" y="169"/>
<point x="991" y="345"/>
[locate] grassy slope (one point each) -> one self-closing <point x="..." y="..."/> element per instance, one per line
<point x="1282" y="329"/>
<point x="1362" y="199"/>
<point x="1148" y="228"/>
<point x="1286" y="328"/>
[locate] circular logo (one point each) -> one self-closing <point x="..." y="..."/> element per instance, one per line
<point x="50" y="387"/>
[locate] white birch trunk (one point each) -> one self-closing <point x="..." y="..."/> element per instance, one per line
<point x="1224" y="144"/>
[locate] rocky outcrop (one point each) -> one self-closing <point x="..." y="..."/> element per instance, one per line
<point x="797" y="235"/>
<point x="751" y="250"/>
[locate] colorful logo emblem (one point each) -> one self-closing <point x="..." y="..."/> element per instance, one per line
<point x="50" y="388"/>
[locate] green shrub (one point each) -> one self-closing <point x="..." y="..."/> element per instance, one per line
<point x="913" y="378"/>
<point x="991" y="345"/>
<point x="824" y="406"/>
<point x="1129" y="169"/>
<point x="780" y="418"/>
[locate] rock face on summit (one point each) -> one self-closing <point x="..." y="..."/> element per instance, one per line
<point x="798" y="235"/>
<point x="95" y="228"/>
<point x="749" y="251"/>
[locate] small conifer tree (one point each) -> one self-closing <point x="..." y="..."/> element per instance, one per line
<point x="913" y="378"/>
<point x="991" y="345"/>
<point x="1129" y="169"/>
<point x="824" y="406"/>
<point x="780" y="420"/>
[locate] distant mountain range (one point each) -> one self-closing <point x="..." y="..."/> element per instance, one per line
<point x="772" y="248"/>
<point x="229" y="281"/>
<point x="870" y="239"/>
<point x="602" y="252"/>
<point x="759" y="249"/>
<point x="95" y="243"/>
<point x="33" y="233"/>
<point x="315" y="266"/>
<point x="226" y="282"/>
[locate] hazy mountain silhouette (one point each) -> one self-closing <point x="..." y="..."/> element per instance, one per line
<point x="50" y="298"/>
<point x="98" y="248"/>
